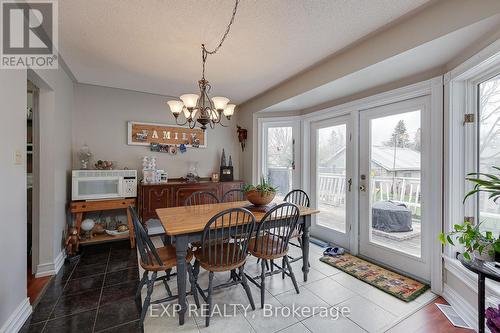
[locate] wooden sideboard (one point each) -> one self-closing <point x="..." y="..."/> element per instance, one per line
<point x="174" y="193"/>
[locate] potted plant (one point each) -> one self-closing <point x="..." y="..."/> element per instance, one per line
<point x="481" y="246"/>
<point x="484" y="246"/>
<point x="261" y="194"/>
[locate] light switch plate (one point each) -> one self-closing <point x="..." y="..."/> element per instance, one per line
<point x="18" y="157"/>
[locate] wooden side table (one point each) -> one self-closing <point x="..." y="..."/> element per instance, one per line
<point x="80" y="207"/>
<point x="483" y="270"/>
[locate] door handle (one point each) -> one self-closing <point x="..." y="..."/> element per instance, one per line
<point x="362" y="188"/>
<point x="349" y="182"/>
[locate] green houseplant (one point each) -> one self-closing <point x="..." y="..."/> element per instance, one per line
<point x="261" y="194"/>
<point x="484" y="246"/>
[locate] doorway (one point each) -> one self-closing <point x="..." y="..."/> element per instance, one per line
<point x="394" y="164"/>
<point x="34" y="285"/>
<point x="331" y="179"/>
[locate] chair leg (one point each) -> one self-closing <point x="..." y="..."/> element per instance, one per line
<point x="141" y="284"/>
<point x="147" y="300"/>
<point x="168" y="271"/>
<point x="192" y="282"/>
<point x="209" y="298"/>
<point x="283" y="268"/>
<point x="291" y="274"/>
<point x="267" y="264"/>
<point x="244" y="282"/>
<point x="262" y="282"/>
<point x="272" y="265"/>
<point x="165" y="283"/>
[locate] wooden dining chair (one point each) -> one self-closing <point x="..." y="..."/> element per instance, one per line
<point x="154" y="260"/>
<point x="201" y="198"/>
<point x="220" y="253"/>
<point x="234" y="195"/>
<point x="299" y="198"/>
<point x="271" y="242"/>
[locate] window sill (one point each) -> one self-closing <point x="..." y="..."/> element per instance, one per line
<point x="454" y="266"/>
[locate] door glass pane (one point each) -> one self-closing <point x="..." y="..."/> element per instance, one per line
<point x="394" y="177"/>
<point x="331" y="173"/>
<point x="489" y="149"/>
<point x="280" y="159"/>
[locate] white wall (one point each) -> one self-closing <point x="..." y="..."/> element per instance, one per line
<point x="56" y="104"/>
<point x="56" y="100"/>
<point x="100" y="121"/>
<point x="12" y="192"/>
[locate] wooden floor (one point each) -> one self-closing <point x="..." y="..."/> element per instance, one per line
<point x="429" y="319"/>
<point x="35" y="285"/>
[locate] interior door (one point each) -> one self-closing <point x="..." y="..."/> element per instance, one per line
<point x="331" y="179"/>
<point x="280" y="147"/>
<point x="394" y="168"/>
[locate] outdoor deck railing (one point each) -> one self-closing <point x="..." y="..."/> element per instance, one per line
<point x="332" y="189"/>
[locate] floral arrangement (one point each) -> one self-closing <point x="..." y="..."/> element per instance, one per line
<point x="493" y="319"/>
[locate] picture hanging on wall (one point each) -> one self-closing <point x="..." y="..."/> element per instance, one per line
<point x="144" y="134"/>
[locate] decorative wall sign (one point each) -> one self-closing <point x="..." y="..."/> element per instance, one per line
<point x="144" y="134"/>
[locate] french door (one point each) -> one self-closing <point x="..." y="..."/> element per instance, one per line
<point x="394" y="166"/>
<point x="280" y="155"/>
<point x="331" y="179"/>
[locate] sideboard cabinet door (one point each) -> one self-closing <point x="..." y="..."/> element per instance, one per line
<point x="183" y="192"/>
<point x="155" y="197"/>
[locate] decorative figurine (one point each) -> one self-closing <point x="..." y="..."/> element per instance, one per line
<point x="72" y="242"/>
<point x="230" y="161"/>
<point x="223" y="158"/>
<point x="242" y="137"/>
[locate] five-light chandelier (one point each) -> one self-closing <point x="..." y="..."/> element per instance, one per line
<point x="201" y="108"/>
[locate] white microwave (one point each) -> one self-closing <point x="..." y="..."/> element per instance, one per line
<point x="103" y="184"/>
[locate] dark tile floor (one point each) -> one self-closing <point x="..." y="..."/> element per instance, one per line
<point x="96" y="294"/>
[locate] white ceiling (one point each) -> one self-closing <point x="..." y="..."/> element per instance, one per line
<point x="154" y="45"/>
<point x="423" y="58"/>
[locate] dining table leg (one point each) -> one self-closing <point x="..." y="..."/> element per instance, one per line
<point x="181" y="247"/>
<point x="305" y="246"/>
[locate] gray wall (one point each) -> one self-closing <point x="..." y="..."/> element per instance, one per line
<point x="12" y="192"/>
<point x="100" y="121"/>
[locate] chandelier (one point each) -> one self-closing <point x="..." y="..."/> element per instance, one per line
<point x="200" y="108"/>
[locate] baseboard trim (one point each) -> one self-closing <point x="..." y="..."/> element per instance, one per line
<point x="51" y="268"/>
<point x="17" y="318"/>
<point x="463" y="308"/>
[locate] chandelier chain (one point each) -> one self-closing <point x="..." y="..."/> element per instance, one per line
<point x="226" y="32"/>
<point x="205" y="52"/>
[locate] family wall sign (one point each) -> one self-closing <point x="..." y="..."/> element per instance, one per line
<point x="144" y="134"/>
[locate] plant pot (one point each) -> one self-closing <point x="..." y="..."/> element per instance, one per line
<point x="260" y="198"/>
<point x="485" y="256"/>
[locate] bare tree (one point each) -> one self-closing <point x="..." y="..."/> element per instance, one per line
<point x="279" y="143"/>
<point x="489" y="117"/>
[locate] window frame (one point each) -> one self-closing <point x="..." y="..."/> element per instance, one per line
<point x="461" y="147"/>
<point x="472" y="133"/>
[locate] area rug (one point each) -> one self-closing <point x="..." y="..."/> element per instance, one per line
<point x="395" y="284"/>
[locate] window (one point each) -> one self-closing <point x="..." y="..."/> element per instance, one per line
<point x="488" y="148"/>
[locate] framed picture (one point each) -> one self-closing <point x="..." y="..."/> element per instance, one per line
<point x="143" y="134"/>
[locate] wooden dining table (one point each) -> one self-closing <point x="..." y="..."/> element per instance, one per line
<point x="184" y="225"/>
